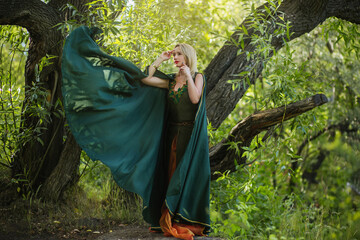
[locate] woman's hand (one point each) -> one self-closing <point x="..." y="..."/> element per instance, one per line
<point x="186" y="70"/>
<point x="166" y="55"/>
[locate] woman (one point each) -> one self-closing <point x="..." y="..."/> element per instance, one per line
<point x="183" y="97"/>
<point x="153" y="138"/>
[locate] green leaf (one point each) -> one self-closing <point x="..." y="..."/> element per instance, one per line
<point x="245" y="30"/>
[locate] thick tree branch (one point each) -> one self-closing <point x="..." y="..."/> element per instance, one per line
<point x="39" y="19"/>
<point x="222" y="158"/>
<point x="34" y="15"/>
<point x="304" y="16"/>
<point x="65" y="13"/>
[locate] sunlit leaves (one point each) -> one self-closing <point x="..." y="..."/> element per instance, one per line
<point x="13" y="42"/>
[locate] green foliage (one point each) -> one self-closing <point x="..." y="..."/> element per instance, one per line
<point x="245" y="205"/>
<point x="13" y="134"/>
<point x="238" y="204"/>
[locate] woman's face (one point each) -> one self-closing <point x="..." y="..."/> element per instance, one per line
<point x="179" y="57"/>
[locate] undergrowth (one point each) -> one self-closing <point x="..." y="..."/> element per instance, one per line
<point x="82" y="208"/>
<point x="244" y="206"/>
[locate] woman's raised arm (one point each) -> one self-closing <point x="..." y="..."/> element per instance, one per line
<point x="155" y="81"/>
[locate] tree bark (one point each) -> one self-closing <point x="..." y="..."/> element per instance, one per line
<point x="66" y="171"/>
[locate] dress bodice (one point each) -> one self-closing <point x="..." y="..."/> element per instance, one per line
<point x="180" y="108"/>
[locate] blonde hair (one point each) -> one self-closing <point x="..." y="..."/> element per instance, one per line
<point x="190" y="56"/>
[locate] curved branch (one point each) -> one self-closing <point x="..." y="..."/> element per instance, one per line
<point x="222" y="158"/>
<point x="39" y="19"/>
<point x="343" y="127"/>
<point x="34" y="15"/>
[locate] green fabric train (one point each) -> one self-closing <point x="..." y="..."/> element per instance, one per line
<point x="119" y="121"/>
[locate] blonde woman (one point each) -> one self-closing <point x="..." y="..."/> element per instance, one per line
<point x="184" y="93"/>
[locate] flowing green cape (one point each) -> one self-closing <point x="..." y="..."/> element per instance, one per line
<point x="119" y="121"/>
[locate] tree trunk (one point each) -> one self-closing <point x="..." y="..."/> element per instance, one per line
<point x="66" y="170"/>
<point x="39" y="157"/>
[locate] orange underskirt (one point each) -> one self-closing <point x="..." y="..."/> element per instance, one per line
<point x="178" y="230"/>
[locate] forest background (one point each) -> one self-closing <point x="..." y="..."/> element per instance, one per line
<point x="290" y="173"/>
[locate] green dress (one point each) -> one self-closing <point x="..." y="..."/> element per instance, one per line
<point x="181" y="116"/>
<point x="123" y="123"/>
